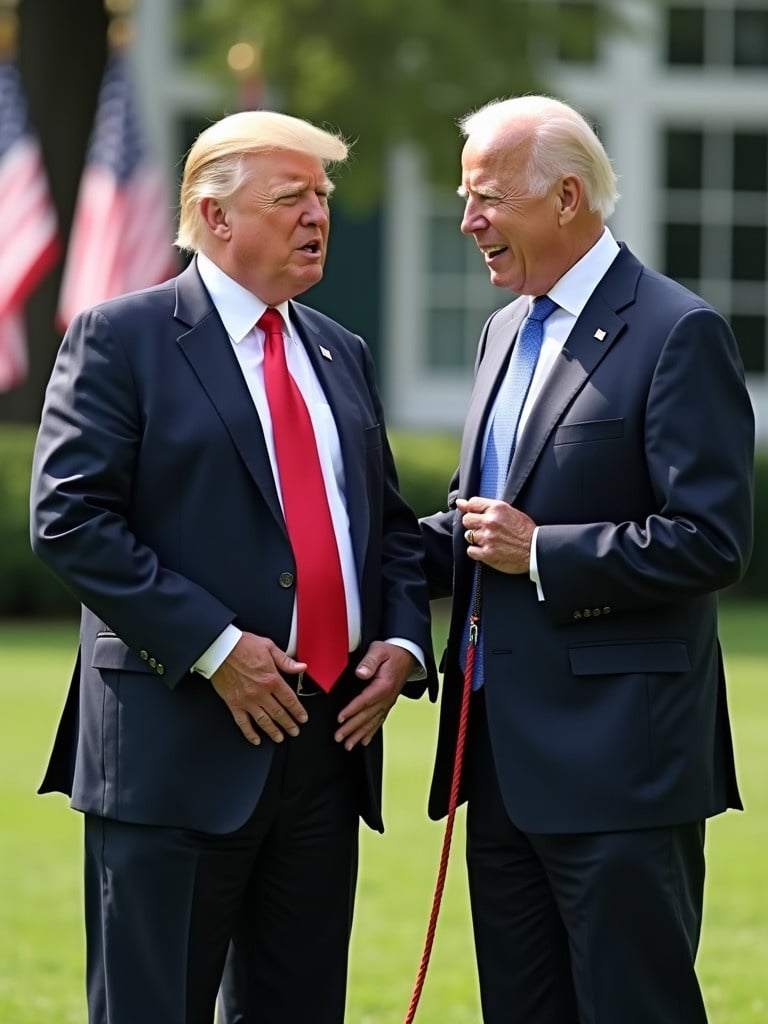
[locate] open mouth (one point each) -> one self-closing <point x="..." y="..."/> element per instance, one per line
<point x="492" y="251"/>
<point x="311" y="248"/>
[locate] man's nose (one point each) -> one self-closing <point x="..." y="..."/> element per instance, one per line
<point x="316" y="211"/>
<point x="472" y="219"/>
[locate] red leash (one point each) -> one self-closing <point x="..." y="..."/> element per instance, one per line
<point x="452" y="803"/>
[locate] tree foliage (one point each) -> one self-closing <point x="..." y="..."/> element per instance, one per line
<point x="386" y="71"/>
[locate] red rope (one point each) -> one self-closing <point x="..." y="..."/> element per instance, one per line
<point x="452" y="804"/>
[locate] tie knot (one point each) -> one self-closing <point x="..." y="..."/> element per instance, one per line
<point x="542" y="307"/>
<point x="270" y="322"/>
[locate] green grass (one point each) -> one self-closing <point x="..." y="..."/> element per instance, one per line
<point x="41" y="933"/>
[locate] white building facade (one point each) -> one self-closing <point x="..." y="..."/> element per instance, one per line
<point x="681" y="103"/>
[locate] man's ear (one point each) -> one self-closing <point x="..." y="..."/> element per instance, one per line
<point x="570" y="198"/>
<point x="215" y="216"/>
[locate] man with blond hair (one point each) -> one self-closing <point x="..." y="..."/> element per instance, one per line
<point x="212" y="479"/>
<point x="602" y="500"/>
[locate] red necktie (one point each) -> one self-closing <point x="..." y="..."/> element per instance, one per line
<point x="321" y="609"/>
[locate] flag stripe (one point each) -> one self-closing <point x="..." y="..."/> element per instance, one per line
<point x="122" y="230"/>
<point x="29" y="223"/>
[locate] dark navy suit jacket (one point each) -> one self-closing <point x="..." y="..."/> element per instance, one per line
<point x="606" y="702"/>
<point x="154" y="500"/>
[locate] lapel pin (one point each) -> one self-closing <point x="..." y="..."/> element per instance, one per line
<point x="326" y="354"/>
<point x="600" y="334"/>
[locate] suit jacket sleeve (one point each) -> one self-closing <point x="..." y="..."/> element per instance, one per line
<point x="698" y="450"/>
<point x="404" y="597"/>
<point x="88" y="445"/>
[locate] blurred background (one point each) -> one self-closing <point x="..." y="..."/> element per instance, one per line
<point x="99" y="102"/>
<point x="678" y="90"/>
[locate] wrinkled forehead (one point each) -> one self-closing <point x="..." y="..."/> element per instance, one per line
<point x="495" y="155"/>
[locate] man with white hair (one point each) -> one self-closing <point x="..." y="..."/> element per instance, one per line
<point x="604" y="497"/>
<point x="213" y="481"/>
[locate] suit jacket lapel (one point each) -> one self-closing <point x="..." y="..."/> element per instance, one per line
<point x="496" y="347"/>
<point x="206" y="345"/>
<point x="593" y="334"/>
<point x="343" y="399"/>
<point x="577" y="360"/>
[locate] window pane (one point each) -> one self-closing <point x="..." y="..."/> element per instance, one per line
<point x="749" y="252"/>
<point x="750" y="39"/>
<point x="447" y="341"/>
<point x="683" y="251"/>
<point x="684" y="151"/>
<point x="750" y="333"/>
<point x="685" y="35"/>
<point x="750" y="162"/>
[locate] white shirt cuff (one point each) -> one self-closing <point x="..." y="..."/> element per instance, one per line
<point x="218" y="652"/>
<point x="533" y="568"/>
<point x="416" y="651"/>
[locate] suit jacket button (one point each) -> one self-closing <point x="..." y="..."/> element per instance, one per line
<point x="596" y="611"/>
<point x="161" y="670"/>
<point x="143" y="655"/>
<point x="606" y="610"/>
<point x="285" y="580"/>
<point x="587" y="613"/>
<point x="152" y="662"/>
<point x="577" y="615"/>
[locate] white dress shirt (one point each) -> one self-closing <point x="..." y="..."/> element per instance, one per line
<point x="240" y="310"/>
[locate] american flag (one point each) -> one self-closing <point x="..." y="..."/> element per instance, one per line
<point x="122" y="237"/>
<point x="30" y="235"/>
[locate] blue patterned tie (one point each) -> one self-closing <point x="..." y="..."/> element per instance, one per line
<point x="502" y="436"/>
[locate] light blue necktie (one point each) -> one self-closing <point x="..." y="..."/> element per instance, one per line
<point x="502" y="436"/>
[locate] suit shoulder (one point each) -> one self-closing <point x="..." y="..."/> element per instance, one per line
<point x="160" y="300"/>
<point x="657" y="288"/>
<point x="324" y="324"/>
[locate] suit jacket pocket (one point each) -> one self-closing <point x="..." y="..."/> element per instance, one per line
<point x="589" y="430"/>
<point x="629" y="657"/>
<point x="110" y="652"/>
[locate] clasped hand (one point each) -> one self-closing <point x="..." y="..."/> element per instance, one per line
<point x="497" y="533"/>
<point x="250" y="682"/>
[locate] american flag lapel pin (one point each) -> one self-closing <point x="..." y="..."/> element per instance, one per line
<point x="600" y="334"/>
<point x="324" y="352"/>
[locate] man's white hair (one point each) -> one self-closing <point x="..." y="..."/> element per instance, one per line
<point x="215" y="167"/>
<point x="561" y="142"/>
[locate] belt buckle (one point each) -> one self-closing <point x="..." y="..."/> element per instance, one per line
<point x="302" y="691"/>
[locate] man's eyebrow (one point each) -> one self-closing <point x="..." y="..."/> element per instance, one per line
<point x="486" y="191"/>
<point x="296" y="188"/>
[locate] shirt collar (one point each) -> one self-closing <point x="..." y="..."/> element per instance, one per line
<point x="238" y="308"/>
<point x="575" y="287"/>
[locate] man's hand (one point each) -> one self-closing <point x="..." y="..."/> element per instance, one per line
<point x="250" y="684"/>
<point x="387" y="666"/>
<point x="497" y="534"/>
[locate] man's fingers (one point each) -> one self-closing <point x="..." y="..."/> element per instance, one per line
<point x="243" y="722"/>
<point x="474" y="504"/>
<point x="360" y="727"/>
<point x="286" y="663"/>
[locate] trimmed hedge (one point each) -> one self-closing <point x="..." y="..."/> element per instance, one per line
<point x="27" y="587"/>
<point x="425" y="464"/>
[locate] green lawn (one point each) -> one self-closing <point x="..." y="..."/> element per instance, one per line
<point x="41" y="935"/>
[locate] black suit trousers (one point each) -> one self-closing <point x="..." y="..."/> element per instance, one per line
<point x="265" y="912"/>
<point x="594" y="928"/>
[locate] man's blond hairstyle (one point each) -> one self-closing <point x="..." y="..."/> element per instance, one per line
<point x="561" y="142"/>
<point x="215" y="167"/>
